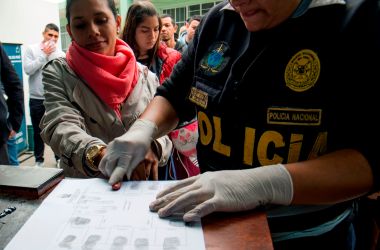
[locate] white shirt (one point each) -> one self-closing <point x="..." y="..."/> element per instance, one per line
<point x="34" y="60"/>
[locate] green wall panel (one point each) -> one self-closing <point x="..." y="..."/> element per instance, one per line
<point x="168" y="4"/>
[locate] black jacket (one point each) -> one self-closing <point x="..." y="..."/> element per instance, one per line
<point x="12" y="109"/>
<point x="291" y="93"/>
<point x="273" y="96"/>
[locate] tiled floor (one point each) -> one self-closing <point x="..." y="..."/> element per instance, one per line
<point x="27" y="158"/>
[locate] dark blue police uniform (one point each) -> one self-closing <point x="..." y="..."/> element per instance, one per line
<point x="292" y="93"/>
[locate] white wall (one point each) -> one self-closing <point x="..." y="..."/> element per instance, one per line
<point x="23" y="21"/>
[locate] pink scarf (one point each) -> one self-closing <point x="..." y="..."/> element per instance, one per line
<point x="112" y="78"/>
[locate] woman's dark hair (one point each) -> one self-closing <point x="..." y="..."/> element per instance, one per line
<point x="111" y="5"/>
<point x="136" y="14"/>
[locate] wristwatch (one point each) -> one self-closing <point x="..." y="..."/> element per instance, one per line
<point x="92" y="156"/>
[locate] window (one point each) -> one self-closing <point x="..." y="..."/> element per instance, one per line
<point x="206" y="7"/>
<point x="194" y="10"/>
<point x="181" y="14"/>
<point x="65" y="38"/>
<point x="170" y="12"/>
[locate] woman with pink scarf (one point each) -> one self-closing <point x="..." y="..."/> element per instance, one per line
<point x="96" y="94"/>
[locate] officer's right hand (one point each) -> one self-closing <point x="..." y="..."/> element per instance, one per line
<point x="124" y="153"/>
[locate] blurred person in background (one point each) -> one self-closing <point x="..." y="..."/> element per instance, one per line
<point x="11" y="104"/>
<point x="168" y="31"/>
<point x="35" y="58"/>
<point x="191" y="27"/>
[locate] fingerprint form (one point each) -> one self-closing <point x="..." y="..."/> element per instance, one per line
<point x="118" y="243"/>
<point x="171" y="243"/>
<point x="67" y="241"/>
<point x="141" y="244"/>
<point x="91" y="242"/>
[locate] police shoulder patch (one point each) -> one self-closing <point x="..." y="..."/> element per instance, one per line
<point x="302" y="71"/>
<point x="216" y="59"/>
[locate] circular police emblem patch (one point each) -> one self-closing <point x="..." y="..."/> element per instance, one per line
<point x="215" y="60"/>
<point x="302" y="71"/>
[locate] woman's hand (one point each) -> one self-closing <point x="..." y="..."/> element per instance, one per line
<point x="146" y="169"/>
<point x="126" y="152"/>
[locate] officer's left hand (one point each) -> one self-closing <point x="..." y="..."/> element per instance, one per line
<point x="225" y="191"/>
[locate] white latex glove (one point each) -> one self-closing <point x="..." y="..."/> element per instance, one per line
<point x="125" y="152"/>
<point x="225" y="191"/>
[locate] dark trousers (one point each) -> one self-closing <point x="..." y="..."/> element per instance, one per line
<point x="37" y="110"/>
<point x="4" y="159"/>
<point x="367" y="223"/>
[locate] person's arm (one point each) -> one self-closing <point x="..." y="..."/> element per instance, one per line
<point x="339" y="176"/>
<point x="13" y="89"/>
<point x="124" y="153"/>
<point x="332" y="178"/>
<point x="162" y="113"/>
<point x="160" y="117"/>
<point x="63" y="126"/>
<point x="32" y="63"/>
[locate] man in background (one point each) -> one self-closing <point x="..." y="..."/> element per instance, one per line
<point x="168" y="31"/>
<point x="183" y="30"/>
<point x="191" y="27"/>
<point x="36" y="56"/>
<point x="11" y="104"/>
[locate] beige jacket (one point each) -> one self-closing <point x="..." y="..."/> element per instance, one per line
<point x="76" y="118"/>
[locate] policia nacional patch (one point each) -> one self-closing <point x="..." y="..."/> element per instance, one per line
<point x="198" y="97"/>
<point x="302" y="71"/>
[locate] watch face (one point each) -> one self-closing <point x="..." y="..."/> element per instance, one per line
<point x="92" y="152"/>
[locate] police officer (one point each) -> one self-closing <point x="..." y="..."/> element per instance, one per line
<point x="275" y="86"/>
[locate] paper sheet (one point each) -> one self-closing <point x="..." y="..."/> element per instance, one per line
<point x="86" y="214"/>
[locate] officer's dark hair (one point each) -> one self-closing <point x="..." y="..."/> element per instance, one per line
<point x="111" y="5"/>
<point x="51" y="26"/>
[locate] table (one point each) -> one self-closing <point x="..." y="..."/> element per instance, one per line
<point x="222" y="231"/>
<point x="10" y="224"/>
<point x="247" y="230"/>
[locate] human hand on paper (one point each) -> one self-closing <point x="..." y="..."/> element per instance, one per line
<point x="225" y="191"/>
<point x="124" y="153"/>
<point x="147" y="168"/>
